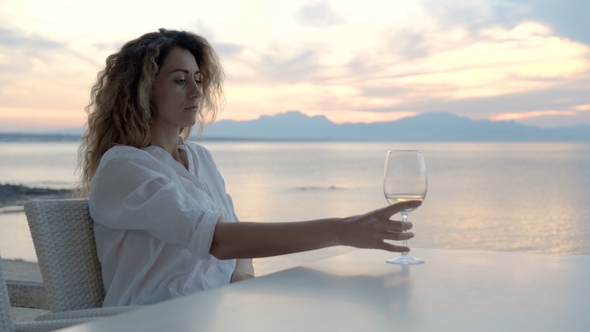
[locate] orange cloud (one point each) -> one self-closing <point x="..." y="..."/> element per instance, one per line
<point x="39" y="119"/>
<point x="365" y="117"/>
<point x="582" y="107"/>
<point x="526" y="115"/>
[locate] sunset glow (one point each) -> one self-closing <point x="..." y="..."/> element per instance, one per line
<point x="353" y="61"/>
<point x="520" y="116"/>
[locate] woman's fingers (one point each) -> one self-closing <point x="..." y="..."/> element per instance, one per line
<point x="392" y="225"/>
<point x="391" y="247"/>
<point x="395" y="225"/>
<point x="389" y="211"/>
<point x="397" y="236"/>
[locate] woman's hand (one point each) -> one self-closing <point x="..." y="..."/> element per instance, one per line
<point x="371" y="229"/>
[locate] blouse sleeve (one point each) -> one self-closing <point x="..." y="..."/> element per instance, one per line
<point x="136" y="193"/>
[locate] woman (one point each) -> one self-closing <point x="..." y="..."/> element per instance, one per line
<point x="164" y="225"/>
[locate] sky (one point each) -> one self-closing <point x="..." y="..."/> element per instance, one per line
<point x="352" y="61"/>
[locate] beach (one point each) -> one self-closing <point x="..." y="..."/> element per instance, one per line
<point x="17" y="195"/>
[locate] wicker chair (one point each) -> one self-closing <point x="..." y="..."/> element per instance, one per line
<point x="7" y="325"/>
<point x="63" y="235"/>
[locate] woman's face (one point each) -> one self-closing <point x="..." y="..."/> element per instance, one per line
<point x="177" y="91"/>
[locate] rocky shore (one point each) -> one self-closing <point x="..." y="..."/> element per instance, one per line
<point x="15" y="195"/>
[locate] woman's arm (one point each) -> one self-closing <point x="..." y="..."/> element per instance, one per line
<point x="252" y="239"/>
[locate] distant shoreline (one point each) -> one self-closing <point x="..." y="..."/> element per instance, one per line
<point x="48" y="138"/>
<point x="16" y="195"/>
<point x="21" y="137"/>
<point x="10" y="138"/>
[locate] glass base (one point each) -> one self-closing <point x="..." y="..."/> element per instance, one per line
<point x="405" y="259"/>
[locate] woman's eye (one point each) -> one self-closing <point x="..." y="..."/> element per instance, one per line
<point x="181" y="81"/>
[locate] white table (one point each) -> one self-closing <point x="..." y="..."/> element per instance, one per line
<point x="456" y="290"/>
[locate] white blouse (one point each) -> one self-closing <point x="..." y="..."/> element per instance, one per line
<point x="154" y="222"/>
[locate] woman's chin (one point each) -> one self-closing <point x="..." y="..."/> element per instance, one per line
<point x="190" y="121"/>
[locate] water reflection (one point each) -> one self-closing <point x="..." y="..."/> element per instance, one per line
<point x="42" y="164"/>
<point x="487" y="196"/>
<point x="525" y="199"/>
<point x="15" y="237"/>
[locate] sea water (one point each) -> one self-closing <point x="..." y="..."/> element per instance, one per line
<point x="530" y="197"/>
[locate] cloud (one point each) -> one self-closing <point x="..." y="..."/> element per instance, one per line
<point x="526" y="115"/>
<point x="14" y="38"/>
<point x="280" y="64"/>
<point x="38" y="71"/>
<point x="109" y="47"/>
<point x="409" y="44"/>
<point x="38" y="119"/>
<point x="521" y="69"/>
<point x="318" y="15"/>
<point x="297" y="68"/>
<point x="582" y="107"/>
<point x="366" y="116"/>
<point x="510" y="13"/>
<point x="472" y="14"/>
<point x="567" y="18"/>
<point x="18" y="50"/>
<point x="570" y="96"/>
<point x="228" y="49"/>
<point x="204" y="29"/>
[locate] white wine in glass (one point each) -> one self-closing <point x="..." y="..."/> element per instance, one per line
<point x="405" y="180"/>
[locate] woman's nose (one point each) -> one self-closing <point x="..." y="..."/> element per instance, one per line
<point x="195" y="91"/>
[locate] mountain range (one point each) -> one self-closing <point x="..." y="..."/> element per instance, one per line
<point x="439" y="126"/>
<point x="433" y="127"/>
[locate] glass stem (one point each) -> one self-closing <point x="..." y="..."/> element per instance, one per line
<point x="405" y="242"/>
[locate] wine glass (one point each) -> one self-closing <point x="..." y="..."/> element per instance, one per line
<point x="404" y="180"/>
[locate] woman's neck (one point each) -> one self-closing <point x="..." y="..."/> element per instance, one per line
<point x="168" y="140"/>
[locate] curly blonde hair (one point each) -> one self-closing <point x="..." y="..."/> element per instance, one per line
<point x="121" y="111"/>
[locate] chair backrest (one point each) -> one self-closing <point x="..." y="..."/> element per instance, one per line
<point x="63" y="235"/>
<point x="6" y="324"/>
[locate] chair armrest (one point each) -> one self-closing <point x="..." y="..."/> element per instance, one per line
<point x="50" y="325"/>
<point x="27" y="294"/>
<point x="86" y="313"/>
